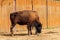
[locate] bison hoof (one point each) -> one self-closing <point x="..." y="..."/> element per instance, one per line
<point x="38" y="34"/>
<point x="31" y="33"/>
<point x="12" y="34"/>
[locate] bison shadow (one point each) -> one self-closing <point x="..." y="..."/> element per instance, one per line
<point x="15" y="34"/>
<point x="51" y="32"/>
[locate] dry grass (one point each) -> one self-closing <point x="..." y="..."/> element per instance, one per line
<point x="47" y="34"/>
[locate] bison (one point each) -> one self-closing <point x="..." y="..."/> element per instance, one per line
<point x="26" y="17"/>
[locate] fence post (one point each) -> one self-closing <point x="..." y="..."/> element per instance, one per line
<point x="32" y="4"/>
<point x="14" y="5"/>
<point x="47" y="13"/>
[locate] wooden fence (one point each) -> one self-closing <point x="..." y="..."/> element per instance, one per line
<point x="50" y="18"/>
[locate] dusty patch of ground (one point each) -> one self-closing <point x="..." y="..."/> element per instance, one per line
<point x="47" y="34"/>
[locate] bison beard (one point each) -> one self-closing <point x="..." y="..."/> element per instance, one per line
<point x="26" y="17"/>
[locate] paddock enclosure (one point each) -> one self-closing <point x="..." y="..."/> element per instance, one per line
<point x="48" y="11"/>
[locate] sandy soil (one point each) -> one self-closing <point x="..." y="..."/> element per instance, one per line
<point x="47" y="34"/>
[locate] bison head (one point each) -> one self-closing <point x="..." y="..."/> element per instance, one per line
<point x="38" y="27"/>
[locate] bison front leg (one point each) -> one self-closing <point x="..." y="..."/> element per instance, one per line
<point x="29" y="29"/>
<point x="11" y="29"/>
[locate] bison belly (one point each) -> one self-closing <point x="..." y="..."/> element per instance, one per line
<point x="22" y="23"/>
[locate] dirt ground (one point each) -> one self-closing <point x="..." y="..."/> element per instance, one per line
<point x="47" y="34"/>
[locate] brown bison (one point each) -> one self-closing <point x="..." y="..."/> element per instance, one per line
<point x="26" y="17"/>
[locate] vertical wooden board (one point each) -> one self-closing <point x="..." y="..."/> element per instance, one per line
<point x="4" y="16"/>
<point x="0" y="18"/>
<point x="53" y="14"/>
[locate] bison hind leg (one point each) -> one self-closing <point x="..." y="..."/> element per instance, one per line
<point x="11" y="29"/>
